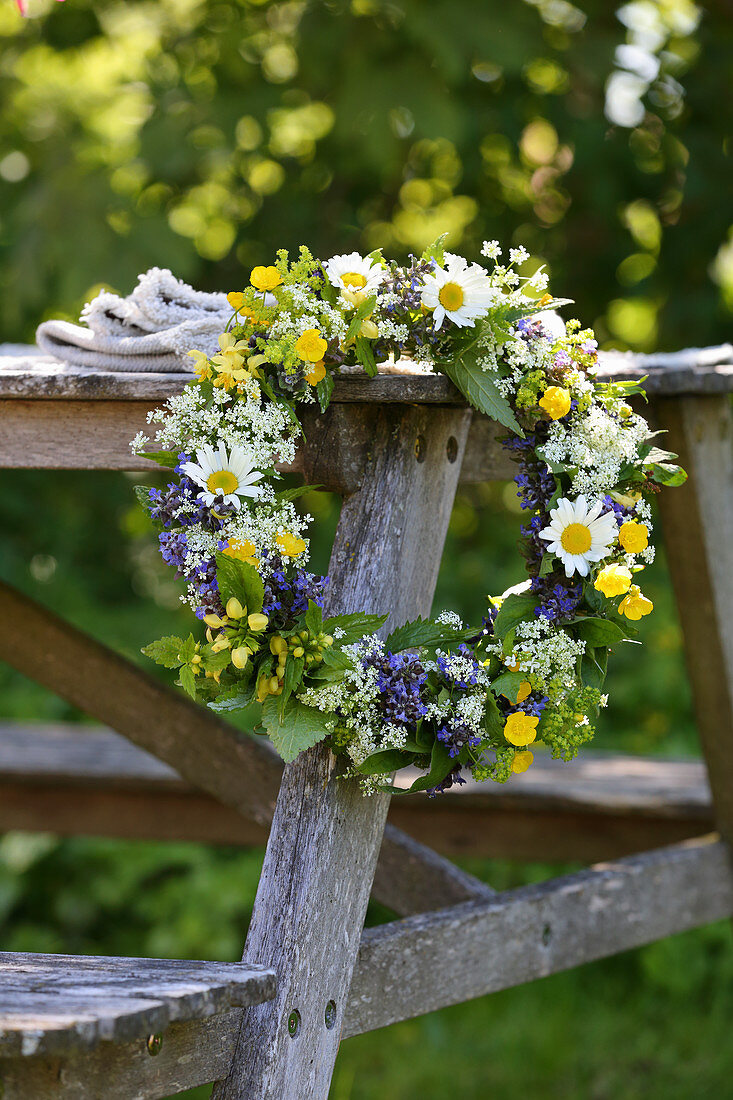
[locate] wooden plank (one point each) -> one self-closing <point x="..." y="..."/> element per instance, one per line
<point x="321" y="856"/>
<point x="698" y="536"/>
<point x="84" y="780"/>
<point x="39" y="377"/>
<point x="427" y="962"/>
<point x="470" y="950"/>
<point x="54" y="1004"/>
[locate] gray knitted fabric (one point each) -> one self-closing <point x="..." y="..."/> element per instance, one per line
<point x="151" y="330"/>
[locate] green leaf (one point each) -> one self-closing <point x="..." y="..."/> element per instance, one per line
<point x="336" y="658"/>
<point x="425" y="632"/>
<point x="436" y="250"/>
<point x="299" y="727"/>
<point x="240" y="580"/>
<point x="547" y="564"/>
<point x="365" y="355"/>
<point x="166" y="651"/>
<point x="516" y="313"/>
<point x="480" y="389"/>
<point x="163" y="458"/>
<point x="593" y="667"/>
<point x="597" y="632"/>
<point x="508" y="684"/>
<point x="324" y="389"/>
<point x="515" y="609"/>
<point x="187" y="680"/>
<point x="664" y="473"/>
<point x="293" y="675"/>
<point x="297" y="491"/>
<point x="493" y="718"/>
<point x="314" y="618"/>
<point x="384" y="762"/>
<point x="441" y="763"/>
<point x="234" y="699"/>
<point x="360" y="314"/>
<point x="353" y="626"/>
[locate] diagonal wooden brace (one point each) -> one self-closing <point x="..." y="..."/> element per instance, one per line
<point x="325" y="838"/>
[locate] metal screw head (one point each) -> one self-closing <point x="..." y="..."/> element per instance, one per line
<point x="420" y="450"/>
<point x="330" y="1014"/>
<point x="155" y="1042"/>
<point x="451" y="449"/>
<point x="293" y="1023"/>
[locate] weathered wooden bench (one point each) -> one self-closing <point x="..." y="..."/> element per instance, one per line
<point x="396" y="448"/>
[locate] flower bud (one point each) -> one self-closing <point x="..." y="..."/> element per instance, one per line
<point x="234" y="608"/>
<point x="326" y="640"/>
<point x="240" y="656"/>
<point x="273" y="684"/>
<point x="298" y="651"/>
<point x="369" y="329"/>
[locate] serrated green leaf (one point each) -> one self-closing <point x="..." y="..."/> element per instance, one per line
<point x="353" y="626"/>
<point x="425" y="632"/>
<point x="593" y="667"/>
<point x="436" y="250"/>
<point x="493" y="718"/>
<point x="314" y="618"/>
<point x="479" y="389"/>
<point x="507" y="684"/>
<point x="365" y="355"/>
<point x="360" y="314"/>
<point x="324" y="389"/>
<point x="166" y="651"/>
<point x="297" y="491"/>
<point x="187" y="680"/>
<point x="234" y="699"/>
<point x="240" y="580"/>
<point x="298" y="728"/>
<point x="664" y="473"/>
<point x="293" y="675"/>
<point x="142" y="492"/>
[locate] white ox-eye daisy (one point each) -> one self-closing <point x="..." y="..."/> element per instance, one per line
<point x="224" y="478"/>
<point x="355" y="276"/>
<point x="460" y="291"/>
<point x="579" y="534"/>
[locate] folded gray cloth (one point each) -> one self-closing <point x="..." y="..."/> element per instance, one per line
<point x="151" y="330"/>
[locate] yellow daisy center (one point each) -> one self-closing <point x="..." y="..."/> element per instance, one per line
<point x="224" y="480"/>
<point x="354" y="280"/>
<point x="576" y="538"/>
<point x="451" y="297"/>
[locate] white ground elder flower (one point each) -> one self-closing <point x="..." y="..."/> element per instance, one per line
<point x="224" y="476"/>
<point x="578" y="534"/>
<point x="460" y="291"/>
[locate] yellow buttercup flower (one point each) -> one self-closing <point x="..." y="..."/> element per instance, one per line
<point x="556" y="402"/>
<point x="613" y="580"/>
<point x="265" y="278"/>
<point x="235" y="299"/>
<point x="522" y="761"/>
<point x="634" y="537"/>
<point x="242" y="551"/>
<point x="520" y="728"/>
<point x="311" y="346"/>
<point x="635" y="605"/>
<point x="525" y="689"/>
<point x="290" y="544"/>
<point x="316" y="373"/>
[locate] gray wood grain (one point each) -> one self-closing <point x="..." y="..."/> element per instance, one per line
<point x="325" y="838"/>
<point x="427" y="962"/>
<point x="52" y="1004"/>
<point x="487" y="946"/>
<point x="698" y="534"/>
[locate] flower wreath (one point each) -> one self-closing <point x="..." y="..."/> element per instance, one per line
<point x="437" y="695"/>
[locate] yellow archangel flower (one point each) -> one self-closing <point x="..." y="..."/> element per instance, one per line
<point x="520" y="728"/>
<point x="613" y="580"/>
<point x="635" y="605"/>
<point x="229" y="363"/>
<point x="556" y="402"/>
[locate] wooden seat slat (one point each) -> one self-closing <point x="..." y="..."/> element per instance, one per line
<point x="59" y="1004"/>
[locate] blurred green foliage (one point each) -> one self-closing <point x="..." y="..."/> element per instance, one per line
<point x="200" y="135"/>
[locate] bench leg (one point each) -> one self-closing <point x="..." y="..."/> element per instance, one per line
<point x="312" y="897"/>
